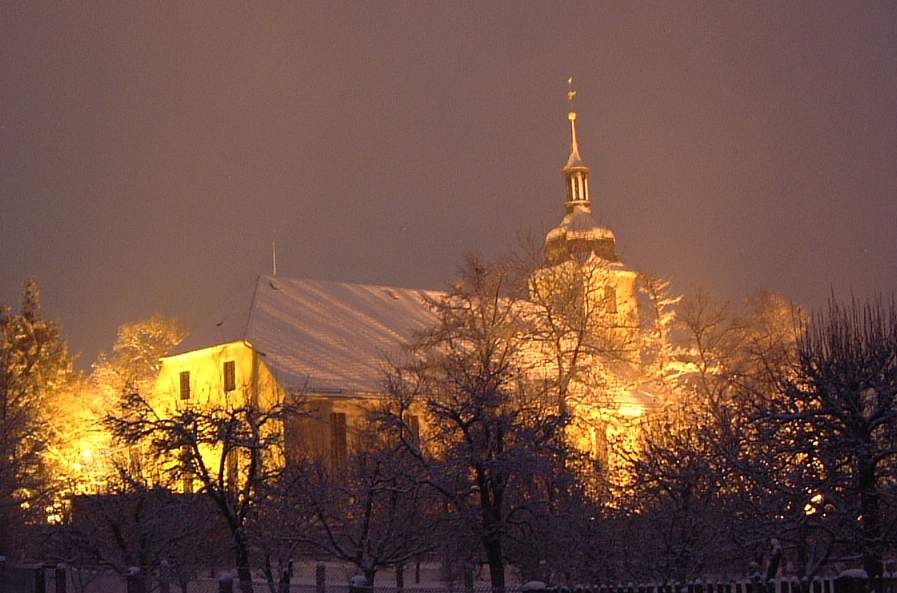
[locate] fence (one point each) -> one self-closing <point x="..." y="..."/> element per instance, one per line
<point x="845" y="583"/>
<point x="41" y="578"/>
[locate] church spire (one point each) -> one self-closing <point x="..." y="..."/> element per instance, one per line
<point x="575" y="171"/>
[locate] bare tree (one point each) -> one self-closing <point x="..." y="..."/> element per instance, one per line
<point x="577" y="336"/>
<point x="491" y="429"/>
<point x="133" y="524"/>
<point x="373" y="511"/>
<point x="707" y="477"/>
<point x="837" y="415"/>
<point x="231" y="449"/>
<point x="675" y="493"/>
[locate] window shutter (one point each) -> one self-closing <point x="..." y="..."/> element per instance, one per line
<point x="185" y="384"/>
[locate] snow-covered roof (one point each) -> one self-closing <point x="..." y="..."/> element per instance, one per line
<point x="579" y="224"/>
<point x="327" y="337"/>
<point x="578" y="233"/>
<point x="321" y="336"/>
<point x="334" y="336"/>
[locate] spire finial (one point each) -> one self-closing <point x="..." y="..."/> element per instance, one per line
<point x="574" y="145"/>
<point x="575" y="170"/>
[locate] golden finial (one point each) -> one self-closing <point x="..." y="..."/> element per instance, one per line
<point x="571" y="94"/>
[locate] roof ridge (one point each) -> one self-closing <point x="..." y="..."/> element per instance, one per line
<point x="342" y="283"/>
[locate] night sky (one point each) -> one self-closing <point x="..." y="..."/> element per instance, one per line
<point x="150" y="152"/>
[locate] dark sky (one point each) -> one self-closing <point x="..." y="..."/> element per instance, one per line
<point x="149" y="152"/>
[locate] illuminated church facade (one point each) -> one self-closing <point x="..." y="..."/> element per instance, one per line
<point x="326" y="342"/>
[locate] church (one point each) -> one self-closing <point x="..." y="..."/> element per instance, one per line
<point x="326" y="342"/>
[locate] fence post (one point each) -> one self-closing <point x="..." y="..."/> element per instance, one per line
<point x="226" y="584"/>
<point x="40" y="580"/>
<point x="851" y="581"/>
<point x="164" y="577"/>
<point x="283" y="585"/>
<point x="320" y="578"/>
<point x="60" y="578"/>
<point x="286" y="577"/>
<point x="134" y="581"/>
<point x="400" y="577"/>
<point x="359" y="584"/>
<point x="468" y="577"/>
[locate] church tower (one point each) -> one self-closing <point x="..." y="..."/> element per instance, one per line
<point x="579" y="250"/>
<point x="578" y="235"/>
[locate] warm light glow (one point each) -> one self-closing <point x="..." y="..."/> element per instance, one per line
<point x="81" y="450"/>
<point x="632" y="410"/>
<point x="810" y="507"/>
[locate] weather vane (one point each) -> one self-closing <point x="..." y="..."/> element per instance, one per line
<point x="570" y="92"/>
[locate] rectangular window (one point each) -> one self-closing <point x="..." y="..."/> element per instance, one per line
<point x="185" y="384"/>
<point x="337" y="439"/>
<point x="610" y="299"/>
<point x="413" y="423"/>
<point x="230" y="376"/>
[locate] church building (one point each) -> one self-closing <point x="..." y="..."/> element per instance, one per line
<point x="326" y="342"/>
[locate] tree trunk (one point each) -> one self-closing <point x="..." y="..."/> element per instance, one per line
<point x="495" y="559"/>
<point x="871" y="526"/>
<point x="269" y="574"/>
<point x="244" y="574"/>
<point x="802" y="556"/>
<point x="491" y="499"/>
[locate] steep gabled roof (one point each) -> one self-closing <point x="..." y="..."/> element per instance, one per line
<point x="332" y="337"/>
<point x="320" y="336"/>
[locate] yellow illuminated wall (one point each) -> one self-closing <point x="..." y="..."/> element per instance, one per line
<point x="226" y="375"/>
<point x="329" y="424"/>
